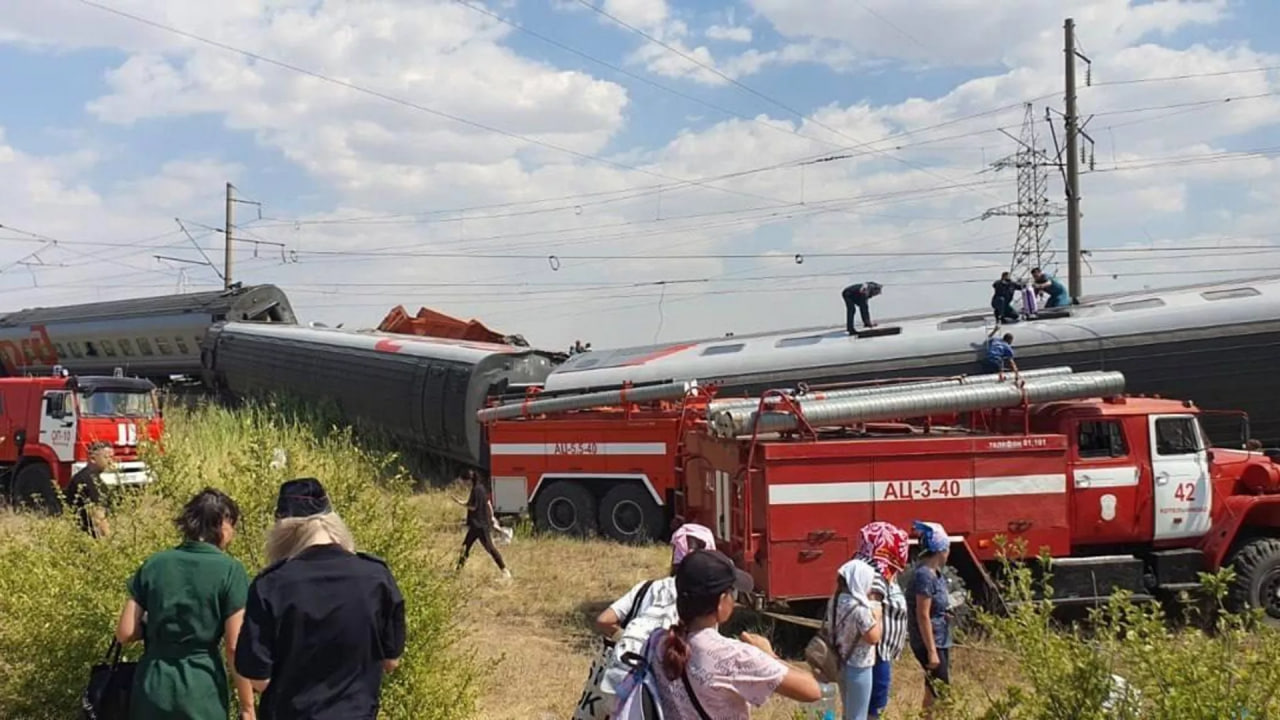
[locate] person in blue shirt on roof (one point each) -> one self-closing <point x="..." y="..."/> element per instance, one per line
<point x="1046" y="283"/>
<point x="1000" y="354"/>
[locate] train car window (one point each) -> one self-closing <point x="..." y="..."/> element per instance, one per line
<point x="1101" y="440"/>
<point x="62" y="352"/>
<point x="125" y="350"/>
<point x="1137" y="304"/>
<point x="723" y="349"/>
<point x="144" y="347"/>
<point x="74" y="347"/>
<point x="108" y="348"/>
<point x="1229" y="294"/>
<point x="1177" y="436"/>
<point x="163" y="346"/>
<point x="182" y="346"/>
<point x="29" y="353"/>
<point x="798" y="341"/>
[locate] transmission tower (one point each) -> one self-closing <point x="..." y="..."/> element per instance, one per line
<point x="1033" y="208"/>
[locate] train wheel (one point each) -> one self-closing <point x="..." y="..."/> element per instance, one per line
<point x="565" y="508"/>
<point x="629" y="514"/>
<point x="33" y="489"/>
<point x="1257" y="584"/>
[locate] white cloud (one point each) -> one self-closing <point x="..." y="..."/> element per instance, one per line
<point x="740" y="33"/>
<point x="403" y="166"/>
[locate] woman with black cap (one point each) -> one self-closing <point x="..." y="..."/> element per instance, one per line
<point x="703" y="674"/>
<point x="323" y="623"/>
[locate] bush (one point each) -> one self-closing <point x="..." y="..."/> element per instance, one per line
<point x="61" y="591"/>
<point x="1204" y="665"/>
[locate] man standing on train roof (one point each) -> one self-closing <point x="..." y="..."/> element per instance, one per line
<point x="1002" y="298"/>
<point x="1046" y="283"/>
<point x="856" y="297"/>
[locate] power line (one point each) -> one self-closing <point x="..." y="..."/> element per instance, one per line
<point x="1187" y="76"/>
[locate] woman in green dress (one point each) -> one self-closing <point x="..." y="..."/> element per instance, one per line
<point x="182" y="603"/>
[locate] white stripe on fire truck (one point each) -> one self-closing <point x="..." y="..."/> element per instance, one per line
<point x="578" y="448"/>
<point x="917" y="490"/>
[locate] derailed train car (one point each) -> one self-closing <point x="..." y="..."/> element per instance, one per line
<point x="152" y="337"/>
<point x="1215" y="344"/>
<point x="421" y="391"/>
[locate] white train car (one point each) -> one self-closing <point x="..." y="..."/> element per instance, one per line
<point x="1213" y="344"/>
<point x="153" y="337"/>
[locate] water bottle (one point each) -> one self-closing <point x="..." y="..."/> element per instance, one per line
<point x="828" y="706"/>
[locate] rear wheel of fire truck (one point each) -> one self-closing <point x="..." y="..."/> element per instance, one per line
<point x="33" y="489"/>
<point x="1257" y="585"/>
<point x="566" y="508"/>
<point x="629" y="514"/>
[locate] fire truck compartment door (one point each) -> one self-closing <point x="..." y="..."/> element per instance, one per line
<point x="58" y="425"/>
<point x="1180" y="470"/>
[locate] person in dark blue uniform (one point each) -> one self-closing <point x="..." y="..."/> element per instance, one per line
<point x="1002" y="298"/>
<point x="1046" y="283"/>
<point x="999" y="355"/>
<point x="856" y="298"/>
<point x="323" y="623"/>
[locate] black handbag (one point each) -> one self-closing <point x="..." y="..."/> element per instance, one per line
<point x="110" y="685"/>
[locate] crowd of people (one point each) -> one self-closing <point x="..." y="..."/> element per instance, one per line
<point x="665" y="649"/>
<point x="310" y="637"/>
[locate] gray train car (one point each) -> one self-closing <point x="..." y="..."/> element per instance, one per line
<point x="152" y="337"/>
<point x="421" y="391"/>
<point x="1214" y="344"/>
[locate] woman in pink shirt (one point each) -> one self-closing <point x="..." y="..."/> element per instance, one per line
<point x="703" y="675"/>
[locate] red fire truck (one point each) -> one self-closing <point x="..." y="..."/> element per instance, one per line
<point x="48" y="423"/>
<point x="1123" y="492"/>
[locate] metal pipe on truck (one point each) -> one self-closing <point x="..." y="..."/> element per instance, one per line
<point x="918" y="403"/>
<point x="604" y="398"/>
<point x="891" y="389"/>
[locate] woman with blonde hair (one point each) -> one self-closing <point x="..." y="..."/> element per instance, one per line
<point x="323" y="622"/>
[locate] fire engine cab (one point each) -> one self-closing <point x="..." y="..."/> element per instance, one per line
<point x="48" y="423"/>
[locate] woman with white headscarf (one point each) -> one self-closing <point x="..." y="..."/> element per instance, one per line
<point x="857" y="627"/>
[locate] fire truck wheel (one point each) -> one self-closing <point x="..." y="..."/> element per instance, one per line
<point x="566" y="508"/>
<point x="629" y="514"/>
<point x="1257" y="566"/>
<point x="33" y="489"/>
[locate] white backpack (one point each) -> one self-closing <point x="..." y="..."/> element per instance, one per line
<point x="658" y="615"/>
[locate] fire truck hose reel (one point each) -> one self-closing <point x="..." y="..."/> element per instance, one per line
<point x="918" y="403"/>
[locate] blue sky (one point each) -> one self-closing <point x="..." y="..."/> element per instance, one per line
<point x="112" y="129"/>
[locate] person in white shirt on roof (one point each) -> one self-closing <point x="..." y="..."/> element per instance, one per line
<point x="648" y="605"/>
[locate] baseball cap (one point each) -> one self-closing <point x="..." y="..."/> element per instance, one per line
<point x="709" y="572"/>
<point x="683" y="534"/>
<point x="302" y="497"/>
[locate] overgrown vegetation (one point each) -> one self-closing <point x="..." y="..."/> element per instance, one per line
<point x="1127" y="661"/>
<point x="60" y="591"/>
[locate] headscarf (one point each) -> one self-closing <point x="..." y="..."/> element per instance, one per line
<point x="680" y="540"/>
<point x="884" y="545"/>
<point x="932" y="536"/>
<point x="858" y="576"/>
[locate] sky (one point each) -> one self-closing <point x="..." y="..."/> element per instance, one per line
<point x="622" y="171"/>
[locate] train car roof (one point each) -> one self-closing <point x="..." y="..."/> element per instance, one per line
<point x="1122" y="314"/>
<point x="443" y="348"/>
<point x="202" y="302"/>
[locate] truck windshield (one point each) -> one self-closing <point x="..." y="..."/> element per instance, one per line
<point x="115" y="403"/>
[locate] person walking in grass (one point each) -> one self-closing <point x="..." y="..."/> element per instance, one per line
<point x="480" y="522"/>
<point x="192" y="598"/>
<point x="929" y="622"/>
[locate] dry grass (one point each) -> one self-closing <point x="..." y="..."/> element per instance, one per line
<point x="534" y="632"/>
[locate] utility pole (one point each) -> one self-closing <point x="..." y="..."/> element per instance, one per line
<point x="1032" y="208"/>
<point x="227" y="235"/>
<point x="1071" y="123"/>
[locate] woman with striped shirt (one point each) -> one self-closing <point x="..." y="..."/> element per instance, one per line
<point x="884" y="547"/>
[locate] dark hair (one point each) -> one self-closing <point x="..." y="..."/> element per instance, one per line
<point x="1035" y="270"/>
<point x="675" y="648"/>
<point x="1008" y="337"/>
<point x="202" y="516"/>
<point x="97" y="445"/>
